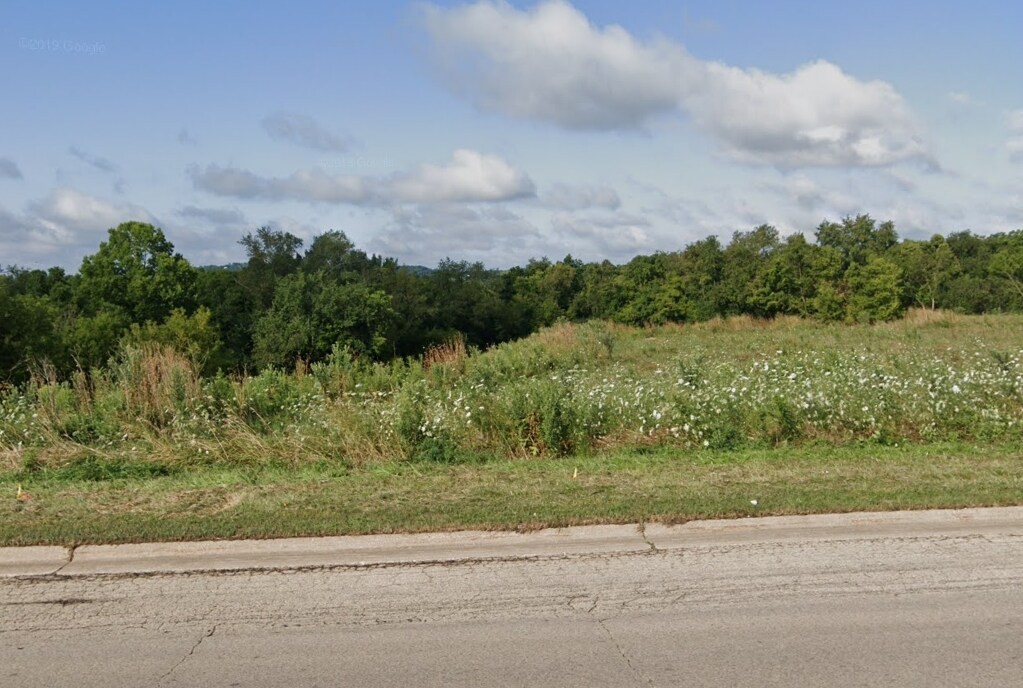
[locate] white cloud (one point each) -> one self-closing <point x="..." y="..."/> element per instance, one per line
<point x="303" y="131"/>
<point x="571" y="197"/>
<point x="75" y="210"/>
<point x="549" y="63"/>
<point x="815" y="116"/>
<point x="9" y="169"/>
<point x="817" y="199"/>
<point x="1015" y="121"/>
<point x="61" y="227"/>
<point x="468" y="177"/>
<point x="618" y="236"/>
<point x="1014" y="145"/>
<point x="425" y="234"/>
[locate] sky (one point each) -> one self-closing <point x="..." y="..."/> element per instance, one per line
<point x="502" y="131"/>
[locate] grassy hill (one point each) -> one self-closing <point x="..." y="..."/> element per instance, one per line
<point x="578" y="423"/>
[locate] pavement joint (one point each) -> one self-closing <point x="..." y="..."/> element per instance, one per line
<point x="70" y="558"/>
<point x="467" y="549"/>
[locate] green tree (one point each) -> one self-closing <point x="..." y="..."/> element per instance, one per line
<point x="546" y="290"/>
<point x="233" y="311"/>
<point x="875" y="291"/>
<point x="272" y="255"/>
<point x="597" y="297"/>
<point x="788" y="283"/>
<point x="195" y="336"/>
<point x="1007" y="261"/>
<point x="137" y="271"/>
<point x="927" y="267"/>
<point x="27" y="333"/>
<point x="743" y="260"/>
<point x="857" y="238"/>
<point x="93" y="339"/>
<point x="310" y="314"/>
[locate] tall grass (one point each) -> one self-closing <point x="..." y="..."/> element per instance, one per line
<point x="569" y="389"/>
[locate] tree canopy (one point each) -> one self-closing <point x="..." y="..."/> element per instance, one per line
<point x="285" y="305"/>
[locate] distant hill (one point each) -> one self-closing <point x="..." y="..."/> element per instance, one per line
<point x="420" y="270"/>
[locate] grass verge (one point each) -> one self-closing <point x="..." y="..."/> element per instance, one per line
<point x="111" y="504"/>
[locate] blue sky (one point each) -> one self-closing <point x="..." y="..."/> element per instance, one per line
<point x="501" y="131"/>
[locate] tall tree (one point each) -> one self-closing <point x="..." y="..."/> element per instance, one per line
<point x="137" y="271"/>
<point x="875" y="291"/>
<point x="311" y="314"/>
<point x="743" y="259"/>
<point x="927" y="267"/>
<point x="788" y="283"/>
<point x="857" y="238"/>
<point x="273" y="254"/>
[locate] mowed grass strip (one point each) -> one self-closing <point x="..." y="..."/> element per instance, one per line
<point x="665" y="485"/>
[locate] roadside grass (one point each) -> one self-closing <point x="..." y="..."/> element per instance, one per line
<point x="579" y="423"/>
<point x="125" y="503"/>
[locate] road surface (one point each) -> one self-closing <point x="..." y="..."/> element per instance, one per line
<point x="929" y="599"/>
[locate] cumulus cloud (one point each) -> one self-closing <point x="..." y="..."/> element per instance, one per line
<point x="425" y="234"/>
<point x="816" y="198"/>
<point x="303" y="131"/>
<point x="612" y="235"/>
<point x="550" y="63"/>
<point x="61" y="227"/>
<point x="96" y="161"/>
<point x="815" y="116"/>
<point x="65" y="212"/>
<point x="9" y="169"/>
<point x="571" y="197"/>
<point x="468" y="177"/>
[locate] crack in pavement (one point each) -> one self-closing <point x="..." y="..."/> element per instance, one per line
<point x="642" y="534"/>
<point x="70" y="557"/>
<point x="312" y="568"/>
<point x="628" y="662"/>
<point x="191" y="651"/>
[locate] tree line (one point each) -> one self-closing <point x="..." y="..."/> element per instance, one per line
<point x="289" y="302"/>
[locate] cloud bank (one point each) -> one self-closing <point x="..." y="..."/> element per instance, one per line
<point x="469" y="177"/>
<point x="549" y="63"/>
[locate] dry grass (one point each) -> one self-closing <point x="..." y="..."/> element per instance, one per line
<point x="927" y="316"/>
<point x="451" y="353"/>
<point x="558" y="337"/>
<point x="156" y="381"/>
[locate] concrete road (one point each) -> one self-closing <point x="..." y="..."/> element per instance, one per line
<point x="927" y="599"/>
